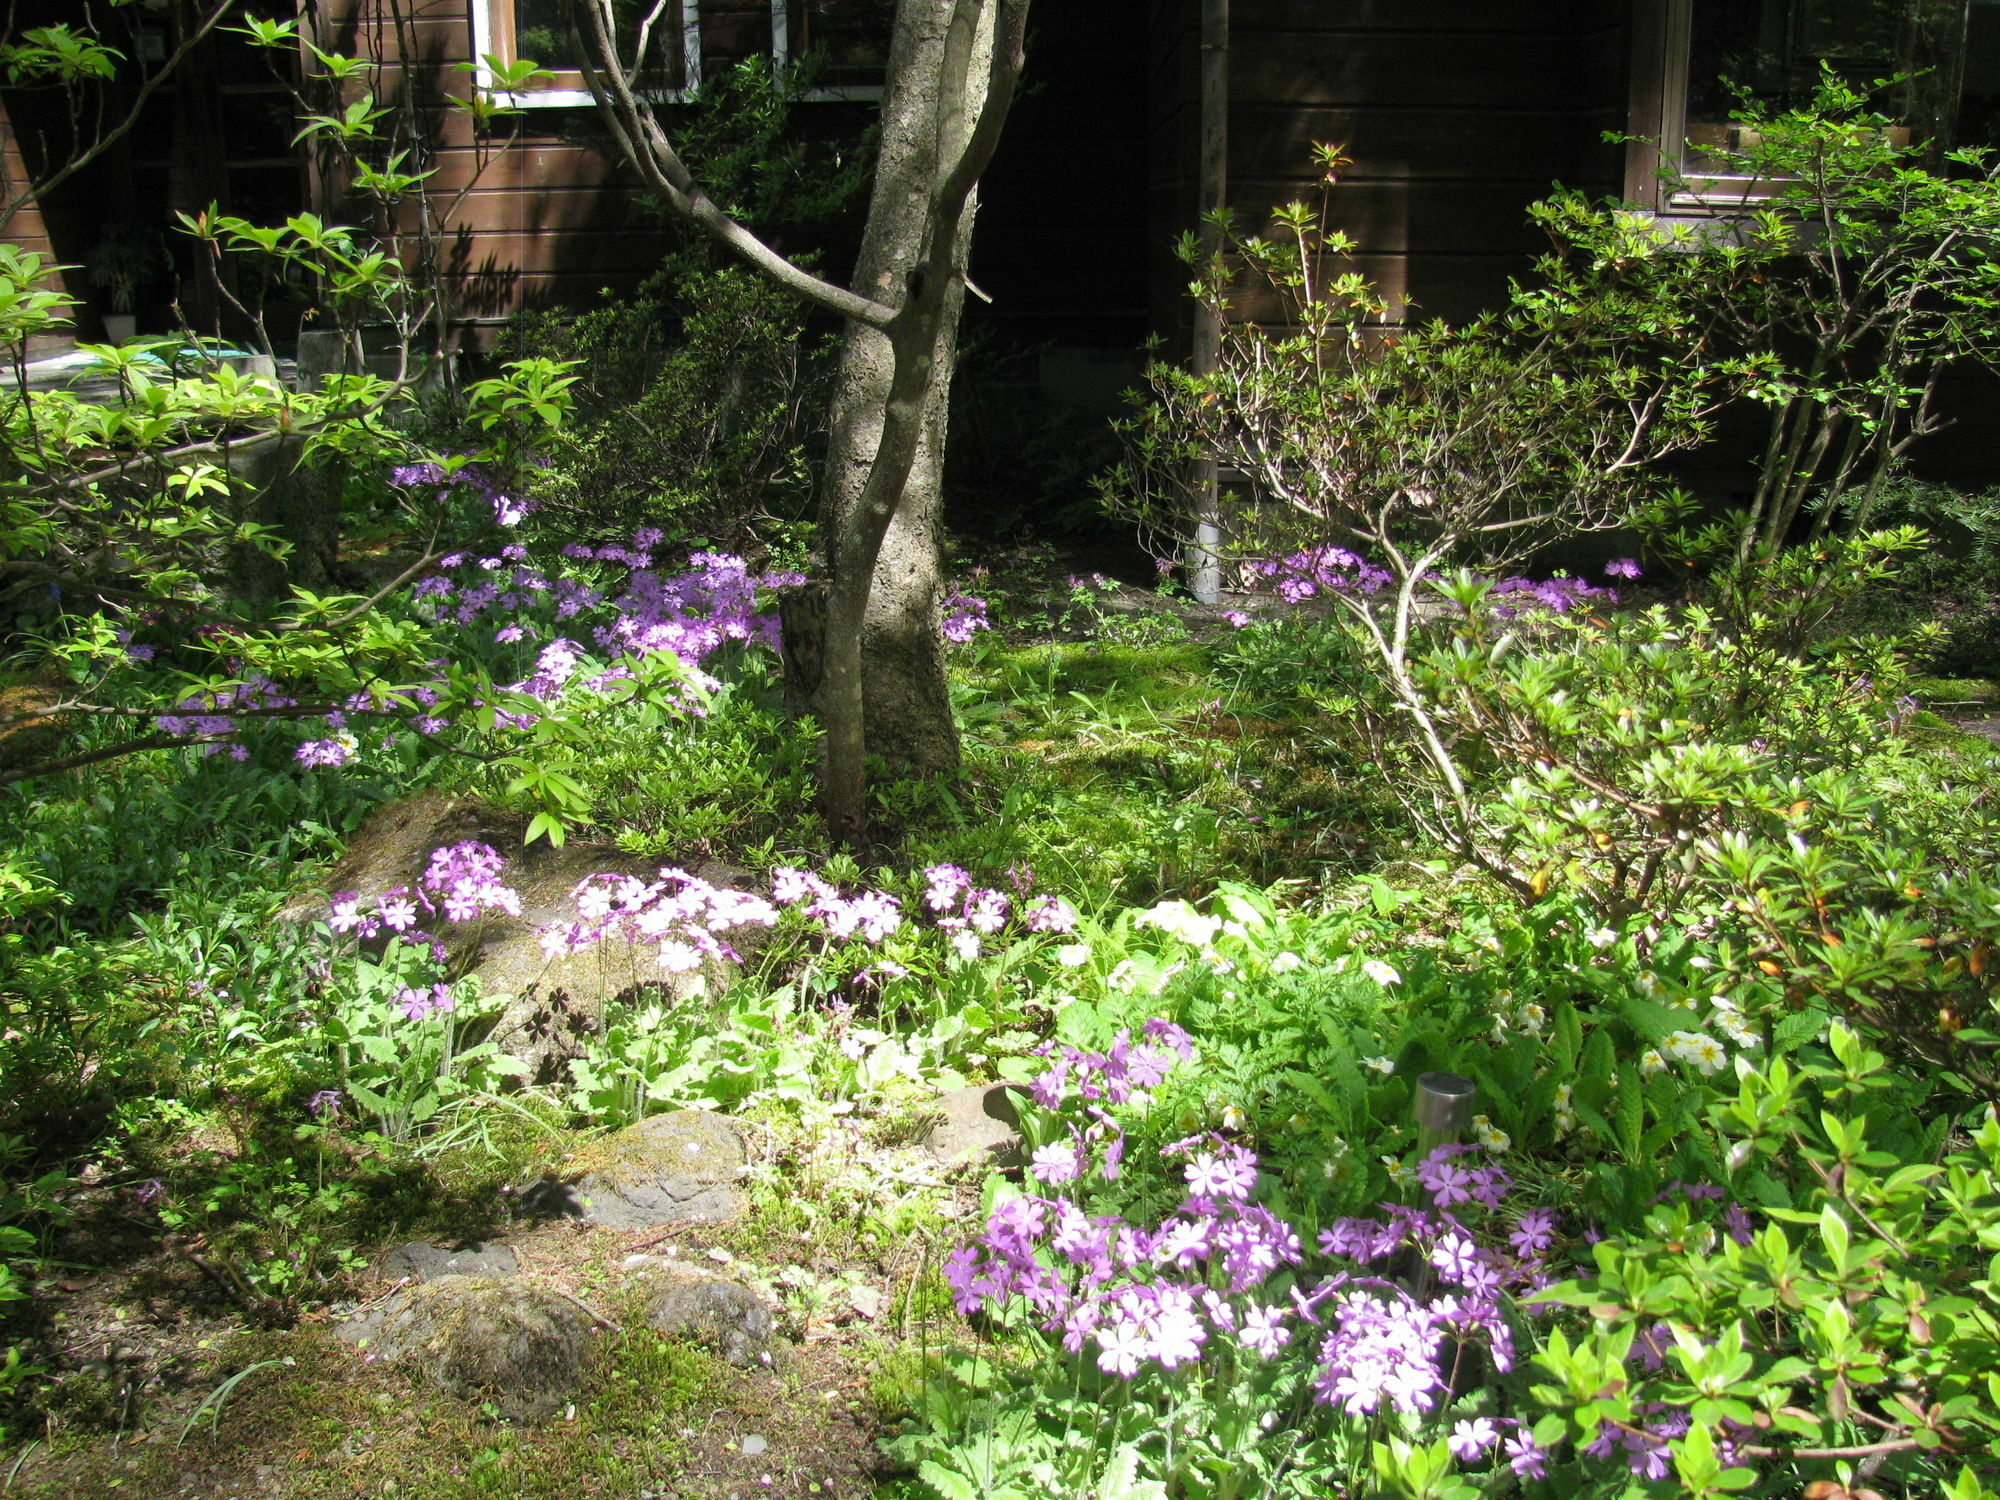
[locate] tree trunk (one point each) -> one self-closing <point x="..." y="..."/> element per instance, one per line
<point x="906" y="703"/>
<point x="953" y="65"/>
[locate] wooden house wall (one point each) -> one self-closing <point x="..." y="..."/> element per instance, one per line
<point x="1061" y="240"/>
<point x="25" y="228"/>
<point x="1456" y="117"/>
<point x="549" y="219"/>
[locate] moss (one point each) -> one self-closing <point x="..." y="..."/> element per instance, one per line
<point x="1936" y="690"/>
<point x="328" y="1426"/>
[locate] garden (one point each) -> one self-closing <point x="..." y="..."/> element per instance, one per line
<point x="1503" y="1003"/>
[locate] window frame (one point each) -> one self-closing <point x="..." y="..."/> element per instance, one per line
<point x="1662" y="34"/>
<point x="1662" y="38"/>
<point x="493" y="36"/>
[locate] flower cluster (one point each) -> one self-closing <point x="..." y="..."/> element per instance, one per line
<point x="1223" y="1271"/>
<point x="212" y="713"/>
<point x="968" y="912"/>
<point x="1302" y="575"/>
<point x="1557" y="596"/>
<point x="507" y="511"/>
<point x="461" y="882"/>
<point x="680" y="915"/>
<point x="964" y="617"/>
<point x="685" y="917"/>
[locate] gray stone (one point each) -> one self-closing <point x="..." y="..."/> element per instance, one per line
<point x="718" y="1314"/>
<point x="676" y="1168"/>
<point x="550" y="1007"/>
<point x="981" y="1124"/>
<point x="507" y="1343"/>
<point x="428" y="1262"/>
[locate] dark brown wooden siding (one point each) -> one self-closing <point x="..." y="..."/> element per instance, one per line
<point x="25" y="228"/>
<point x="536" y="214"/>
<point x="1457" y="117"/>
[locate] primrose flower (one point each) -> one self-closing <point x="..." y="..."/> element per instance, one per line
<point x="1382" y="1065"/>
<point x="1470" y="1439"/>
<point x="1383" y="974"/>
<point x="1526" y="1457"/>
<point x="1073" y="955"/>
<point x="1058" y="1162"/>
<point x="944" y="885"/>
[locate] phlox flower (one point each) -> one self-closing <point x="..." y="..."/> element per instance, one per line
<point x="1444" y="1179"/>
<point x="1526" y="1457"/>
<point x="398" y="912"/>
<point x="1533" y="1232"/>
<point x="1227" y="1173"/>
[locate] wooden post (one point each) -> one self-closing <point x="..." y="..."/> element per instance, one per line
<point x="1204" y="567"/>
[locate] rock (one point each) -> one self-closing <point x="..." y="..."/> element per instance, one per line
<point x="981" y="1124"/>
<point x="483" y="1338"/>
<point x="718" y="1314"/>
<point x="429" y="1262"/>
<point x="551" y="1007"/>
<point x="676" y="1168"/>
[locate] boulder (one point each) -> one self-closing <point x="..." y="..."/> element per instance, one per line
<point x="550" y="1007"/>
<point x="504" y="1342"/>
<point x="428" y="1262"/>
<point x="676" y="1168"/>
<point x="981" y="1124"/>
<point x="717" y="1313"/>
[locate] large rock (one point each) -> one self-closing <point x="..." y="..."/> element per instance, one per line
<point x="427" y="1262"/>
<point x="551" y="1007"/>
<point x="502" y="1342"/>
<point x="981" y="1124"/>
<point x="718" y="1314"/>
<point x="678" y="1168"/>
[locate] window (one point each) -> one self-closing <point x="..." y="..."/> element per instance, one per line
<point x="846" y="40"/>
<point x="1698" y="61"/>
<point x="513" y="30"/>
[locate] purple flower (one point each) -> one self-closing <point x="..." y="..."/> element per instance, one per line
<point x="325" y="1105"/>
<point x="1469" y="1440"/>
<point x="327" y="753"/>
<point x="1264" y="1331"/>
<point x="1533" y="1232"/>
<point x="1227" y="1173"/>
<point x="1621" y="567"/>
<point x="1443" y="1179"/>
<point x="1058" y="1162"/>
<point x="1526" y="1457"/>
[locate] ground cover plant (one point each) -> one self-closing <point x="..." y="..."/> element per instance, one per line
<point x="1685" y="883"/>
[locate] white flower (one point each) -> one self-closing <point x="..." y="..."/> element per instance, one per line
<point x="1533" y="1017"/>
<point x="1381" y="973"/>
<point x="1286" y="961"/>
<point x="1602" y="937"/>
<point x="1648" y="982"/>
<point x="1073" y="955"/>
<point x="1652" y="1062"/>
<point x="1232" y="1118"/>
<point x="1182" y="921"/>
<point x="1121" y="977"/>
<point x="1489" y="1135"/>
<point x="1397" y="1171"/>
<point x="1379" y="1064"/>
